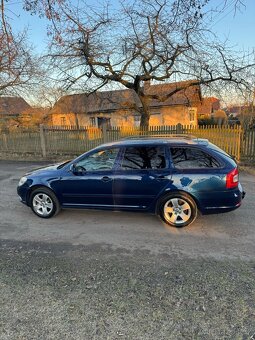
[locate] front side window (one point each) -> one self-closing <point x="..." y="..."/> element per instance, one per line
<point x="192" y="158"/>
<point x="100" y="160"/>
<point x="144" y="158"/>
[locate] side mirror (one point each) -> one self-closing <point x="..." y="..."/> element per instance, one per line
<point x="72" y="167"/>
<point x="77" y="170"/>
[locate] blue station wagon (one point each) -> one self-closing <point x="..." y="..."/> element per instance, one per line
<point x="173" y="177"/>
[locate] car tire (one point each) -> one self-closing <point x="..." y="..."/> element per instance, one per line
<point x="44" y="203"/>
<point x="177" y="209"/>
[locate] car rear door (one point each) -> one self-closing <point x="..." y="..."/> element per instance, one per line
<point x="142" y="174"/>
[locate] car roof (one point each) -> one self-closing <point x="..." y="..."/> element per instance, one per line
<point x="157" y="140"/>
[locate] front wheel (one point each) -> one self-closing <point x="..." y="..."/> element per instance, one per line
<point x="178" y="209"/>
<point x="44" y="203"/>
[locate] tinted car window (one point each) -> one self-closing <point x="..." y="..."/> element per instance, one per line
<point x="100" y="160"/>
<point x="192" y="158"/>
<point x="144" y="158"/>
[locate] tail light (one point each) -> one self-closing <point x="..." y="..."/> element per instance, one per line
<point x="232" y="179"/>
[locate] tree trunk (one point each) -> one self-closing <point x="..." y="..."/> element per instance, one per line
<point x="145" y="114"/>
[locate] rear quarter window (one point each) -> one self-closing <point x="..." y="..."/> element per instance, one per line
<point x="192" y="158"/>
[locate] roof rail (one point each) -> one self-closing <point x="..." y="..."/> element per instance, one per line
<point x="179" y="136"/>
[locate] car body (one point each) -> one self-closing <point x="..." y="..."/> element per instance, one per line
<point x="171" y="176"/>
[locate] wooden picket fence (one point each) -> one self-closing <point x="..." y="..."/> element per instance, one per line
<point x="70" y="140"/>
<point x="248" y="147"/>
<point x="78" y="140"/>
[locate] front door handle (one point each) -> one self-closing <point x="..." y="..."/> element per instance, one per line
<point x="162" y="178"/>
<point x="106" y="179"/>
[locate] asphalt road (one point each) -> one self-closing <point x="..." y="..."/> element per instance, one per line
<point x="224" y="236"/>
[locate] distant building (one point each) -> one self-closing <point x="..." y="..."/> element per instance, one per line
<point x="236" y="110"/>
<point x="116" y="108"/>
<point x="207" y="108"/>
<point x="12" y="107"/>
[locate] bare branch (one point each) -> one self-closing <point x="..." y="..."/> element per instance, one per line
<point x="144" y="40"/>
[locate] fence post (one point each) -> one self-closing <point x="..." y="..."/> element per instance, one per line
<point x="239" y="145"/>
<point x="5" y="142"/>
<point x="42" y="140"/>
<point x="178" y="128"/>
<point x="104" y="130"/>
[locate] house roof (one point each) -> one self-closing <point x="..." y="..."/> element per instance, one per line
<point x="12" y="105"/>
<point x="235" y="109"/>
<point x="108" y="101"/>
<point x="190" y="96"/>
<point x="208" y="105"/>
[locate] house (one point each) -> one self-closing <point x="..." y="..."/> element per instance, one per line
<point x="12" y="107"/>
<point x="208" y="106"/>
<point x="116" y="108"/>
<point x="10" y="110"/>
<point x="33" y="117"/>
<point x="236" y="110"/>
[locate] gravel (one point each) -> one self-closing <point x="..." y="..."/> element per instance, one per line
<point x="62" y="291"/>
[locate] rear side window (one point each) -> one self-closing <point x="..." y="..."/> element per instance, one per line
<point x="192" y="158"/>
<point x="144" y="158"/>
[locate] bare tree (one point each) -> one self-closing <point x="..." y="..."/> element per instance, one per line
<point x="47" y="92"/>
<point x="138" y="41"/>
<point x="18" y="67"/>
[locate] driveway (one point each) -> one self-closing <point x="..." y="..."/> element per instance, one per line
<point x="230" y="235"/>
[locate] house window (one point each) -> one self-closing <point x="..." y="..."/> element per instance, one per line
<point x="137" y="120"/>
<point x="104" y="121"/>
<point x="93" y="121"/>
<point x="62" y="120"/>
<point x="192" y="115"/>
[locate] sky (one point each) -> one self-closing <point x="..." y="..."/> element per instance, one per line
<point x="238" y="27"/>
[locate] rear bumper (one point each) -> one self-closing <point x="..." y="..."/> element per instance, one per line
<point x="221" y="202"/>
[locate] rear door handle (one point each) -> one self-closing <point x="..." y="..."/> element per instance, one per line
<point x="106" y="179"/>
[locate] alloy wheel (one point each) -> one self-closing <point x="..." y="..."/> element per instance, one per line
<point x="177" y="211"/>
<point x="43" y="204"/>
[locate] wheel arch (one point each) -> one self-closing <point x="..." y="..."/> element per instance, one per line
<point x="165" y="194"/>
<point x="35" y="187"/>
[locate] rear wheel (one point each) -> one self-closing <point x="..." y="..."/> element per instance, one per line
<point x="44" y="203"/>
<point x="177" y="209"/>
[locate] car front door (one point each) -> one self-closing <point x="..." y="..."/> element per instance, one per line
<point x="89" y="183"/>
<point x="143" y="172"/>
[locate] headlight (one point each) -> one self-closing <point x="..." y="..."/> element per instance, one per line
<point x="22" y="181"/>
